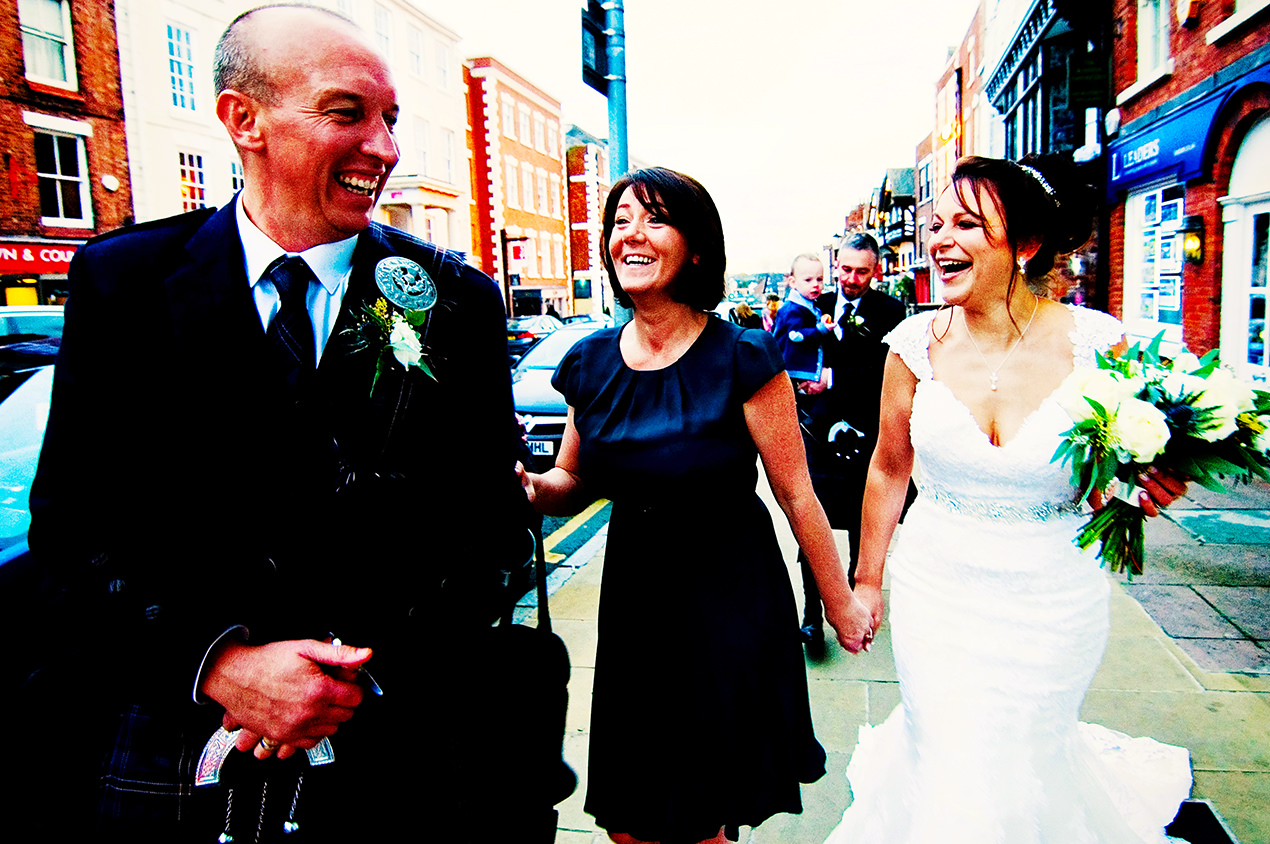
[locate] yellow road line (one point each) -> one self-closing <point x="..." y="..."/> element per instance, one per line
<point x="562" y="533"/>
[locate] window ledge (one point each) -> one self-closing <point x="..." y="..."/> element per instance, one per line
<point x="63" y="223"/>
<point x="1161" y="73"/>
<point x="53" y="90"/>
<point x="1237" y="20"/>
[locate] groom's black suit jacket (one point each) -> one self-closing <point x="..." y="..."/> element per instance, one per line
<point x="181" y="492"/>
<point x="858" y="360"/>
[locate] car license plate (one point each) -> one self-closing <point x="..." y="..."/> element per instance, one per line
<point x="542" y="447"/>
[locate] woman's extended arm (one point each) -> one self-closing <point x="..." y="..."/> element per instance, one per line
<point x="887" y="486"/>
<point x="772" y="418"/>
<point x="558" y="491"/>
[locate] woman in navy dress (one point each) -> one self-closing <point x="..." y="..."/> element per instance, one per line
<point x="700" y="721"/>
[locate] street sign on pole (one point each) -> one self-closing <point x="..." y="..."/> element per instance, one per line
<point x="595" y="60"/>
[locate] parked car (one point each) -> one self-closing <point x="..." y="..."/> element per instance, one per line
<point x="604" y="320"/>
<point x="29" y="340"/>
<point x="522" y="332"/>
<point x="542" y="410"/>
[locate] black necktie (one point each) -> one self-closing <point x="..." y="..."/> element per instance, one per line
<point x="290" y="333"/>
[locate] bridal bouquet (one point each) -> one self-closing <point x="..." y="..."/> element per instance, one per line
<point x="1187" y="416"/>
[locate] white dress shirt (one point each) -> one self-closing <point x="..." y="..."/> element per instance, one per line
<point x="332" y="263"/>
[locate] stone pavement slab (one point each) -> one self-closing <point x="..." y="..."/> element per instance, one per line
<point x="1227" y="655"/>
<point x="1226" y="527"/>
<point x="1247" y="607"/>
<point x="1183" y="613"/>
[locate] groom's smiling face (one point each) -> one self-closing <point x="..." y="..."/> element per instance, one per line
<point x="326" y="138"/>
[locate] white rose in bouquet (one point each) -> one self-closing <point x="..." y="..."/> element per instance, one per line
<point x="1141" y="429"/>
<point x="1102" y="385"/>
<point x="1186" y="363"/>
<point x="1226" y="397"/>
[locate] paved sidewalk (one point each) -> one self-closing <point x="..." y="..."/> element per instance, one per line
<point x="1205" y="687"/>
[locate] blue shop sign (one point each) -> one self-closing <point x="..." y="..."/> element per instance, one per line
<point x="1173" y="146"/>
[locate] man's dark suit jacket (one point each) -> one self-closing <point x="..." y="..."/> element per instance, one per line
<point x="180" y="492"/>
<point x="859" y="358"/>
<point x="857" y="361"/>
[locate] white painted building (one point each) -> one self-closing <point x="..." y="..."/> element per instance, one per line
<point x="181" y="158"/>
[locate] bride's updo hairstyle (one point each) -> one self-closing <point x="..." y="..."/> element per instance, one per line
<point x="1041" y="198"/>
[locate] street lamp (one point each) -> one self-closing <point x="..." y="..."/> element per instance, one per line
<point x="1192" y="231"/>
<point x="504" y="239"/>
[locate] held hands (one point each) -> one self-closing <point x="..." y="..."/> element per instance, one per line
<point x="526" y="481"/>
<point x="853" y="622"/>
<point x="871" y="597"/>
<point x="291" y="694"/>
<point x="1159" y="489"/>
<point x="813" y="388"/>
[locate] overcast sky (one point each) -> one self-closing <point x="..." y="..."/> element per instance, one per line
<point x="788" y="112"/>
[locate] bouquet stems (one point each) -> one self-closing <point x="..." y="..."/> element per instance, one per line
<point x="1120" y="527"/>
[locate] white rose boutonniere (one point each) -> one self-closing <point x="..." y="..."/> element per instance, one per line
<point x="394" y="337"/>
<point x="404" y="342"/>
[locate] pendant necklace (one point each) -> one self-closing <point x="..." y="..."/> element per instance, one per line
<point x="992" y="373"/>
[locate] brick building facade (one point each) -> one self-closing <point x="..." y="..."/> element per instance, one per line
<point x="1191" y="160"/>
<point x="520" y="226"/>
<point x="65" y="155"/>
<point x="587" y="163"/>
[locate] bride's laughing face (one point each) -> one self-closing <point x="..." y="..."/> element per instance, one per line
<point x="969" y="247"/>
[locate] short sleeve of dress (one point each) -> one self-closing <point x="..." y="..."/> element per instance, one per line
<point x="565" y="378"/>
<point x="911" y="341"/>
<point x="1095" y="333"/>
<point x="757" y="359"/>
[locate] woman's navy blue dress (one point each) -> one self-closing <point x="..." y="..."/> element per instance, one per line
<point x="699" y="714"/>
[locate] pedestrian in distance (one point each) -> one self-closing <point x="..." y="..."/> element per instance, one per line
<point x="771" y="304"/>
<point x="743" y="315"/>
<point x="998" y="621"/>
<point x="840" y="423"/>
<point x="700" y="721"/>
<point x="241" y="498"/>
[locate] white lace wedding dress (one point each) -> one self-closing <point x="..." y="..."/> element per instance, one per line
<point x="998" y="625"/>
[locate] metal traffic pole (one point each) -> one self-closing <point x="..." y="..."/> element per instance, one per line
<point x="619" y="163"/>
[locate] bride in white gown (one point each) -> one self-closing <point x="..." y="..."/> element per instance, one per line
<point x="998" y="620"/>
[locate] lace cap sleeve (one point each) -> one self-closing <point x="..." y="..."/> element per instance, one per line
<point x="1094" y="332"/>
<point x="758" y="358"/>
<point x="911" y="341"/>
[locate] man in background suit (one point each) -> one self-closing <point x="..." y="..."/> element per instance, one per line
<point x="842" y="427"/>
<point x="228" y="482"/>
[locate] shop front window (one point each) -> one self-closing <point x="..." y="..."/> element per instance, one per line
<point x="1257" y="291"/>
<point x="1153" y="287"/>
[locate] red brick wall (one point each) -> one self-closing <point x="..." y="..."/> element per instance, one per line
<point x="1194" y="61"/>
<point x="483" y="247"/>
<point x="97" y="101"/>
